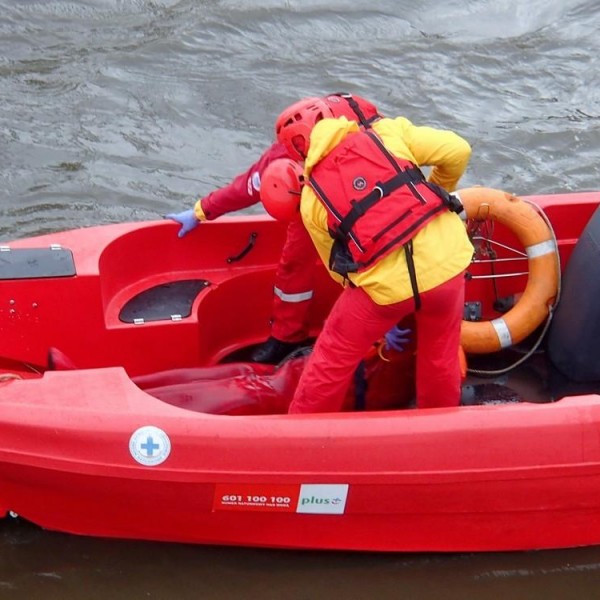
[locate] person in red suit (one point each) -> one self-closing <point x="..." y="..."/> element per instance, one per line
<point x="294" y="279"/>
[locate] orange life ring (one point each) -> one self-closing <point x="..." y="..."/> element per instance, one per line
<point x="533" y="307"/>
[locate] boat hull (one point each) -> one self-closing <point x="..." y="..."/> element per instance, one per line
<point x="477" y="478"/>
<point x="85" y="449"/>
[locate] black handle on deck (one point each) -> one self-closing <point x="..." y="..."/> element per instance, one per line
<point x="249" y="246"/>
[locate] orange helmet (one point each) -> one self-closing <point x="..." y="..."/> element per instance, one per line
<point x="294" y="124"/>
<point x="280" y="188"/>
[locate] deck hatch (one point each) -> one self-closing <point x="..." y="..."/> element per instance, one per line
<point x="36" y="263"/>
<point x="163" y="302"/>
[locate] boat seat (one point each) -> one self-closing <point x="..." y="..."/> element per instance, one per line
<point x="36" y="263"/>
<point x="163" y="302"/>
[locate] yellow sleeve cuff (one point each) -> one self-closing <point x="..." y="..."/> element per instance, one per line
<point x="198" y="211"/>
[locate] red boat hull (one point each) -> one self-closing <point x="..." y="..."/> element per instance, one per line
<point x="467" y="479"/>
<point x="87" y="451"/>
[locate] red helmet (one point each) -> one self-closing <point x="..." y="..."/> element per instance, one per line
<point x="354" y="108"/>
<point x="280" y="188"/>
<point x="294" y="124"/>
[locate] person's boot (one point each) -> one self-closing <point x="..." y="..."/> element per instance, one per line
<point x="274" y="351"/>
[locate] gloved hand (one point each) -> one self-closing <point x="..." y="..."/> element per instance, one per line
<point x="397" y="338"/>
<point x="187" y="219"/>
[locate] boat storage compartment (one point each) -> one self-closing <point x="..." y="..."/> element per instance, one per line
<point x="574" y="336"/>
<point x="35" y="263"/>
<point x="164" y="301"/>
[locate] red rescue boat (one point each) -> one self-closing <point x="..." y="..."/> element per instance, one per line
<point x="128" y="408"/>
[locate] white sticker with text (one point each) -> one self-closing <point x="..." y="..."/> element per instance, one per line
<point x="323" y="498"/>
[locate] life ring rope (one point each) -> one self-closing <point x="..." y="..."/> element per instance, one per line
<point x="534" y="231"/>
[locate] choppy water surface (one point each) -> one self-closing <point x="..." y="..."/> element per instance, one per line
<point x="114" y="110"/>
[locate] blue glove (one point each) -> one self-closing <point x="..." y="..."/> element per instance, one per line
<point x="397" y="338"/>
<point x="187" y="219"/>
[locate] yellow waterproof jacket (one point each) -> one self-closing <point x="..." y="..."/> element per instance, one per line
<point x="441" y="250"/>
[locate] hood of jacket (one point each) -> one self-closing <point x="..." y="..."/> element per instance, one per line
<point x="324" y="137"/>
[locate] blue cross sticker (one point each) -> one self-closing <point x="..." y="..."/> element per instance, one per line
<point x="150" y="446"/>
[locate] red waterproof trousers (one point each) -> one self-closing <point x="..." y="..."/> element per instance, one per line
<point x="356" y="322"/>
<point x="294" y="283"/>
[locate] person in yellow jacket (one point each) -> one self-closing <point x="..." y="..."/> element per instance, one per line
<point x="378" y="296"/>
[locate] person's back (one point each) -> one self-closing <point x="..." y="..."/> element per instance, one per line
<point x="425" y="273"/>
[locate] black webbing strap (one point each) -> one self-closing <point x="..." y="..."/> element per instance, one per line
<point x="391" y="158"/>
<point x="324" y="198"/>
<point x="381" y="190"/>
<point x="451" y="201"/>
<point x="408" y="251"/>
<point x="353" y="104"/>
<point x="394" y="162"/>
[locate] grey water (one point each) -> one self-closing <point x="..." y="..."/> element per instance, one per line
<point x="120" y="110"/>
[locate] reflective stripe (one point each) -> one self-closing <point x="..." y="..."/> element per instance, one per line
<point x="256" y="181"/>
<point x="302" y="297"/>
<point x="253" y="183"/>
<point x="541" y="249"/>
<point x="503" y="332"/>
